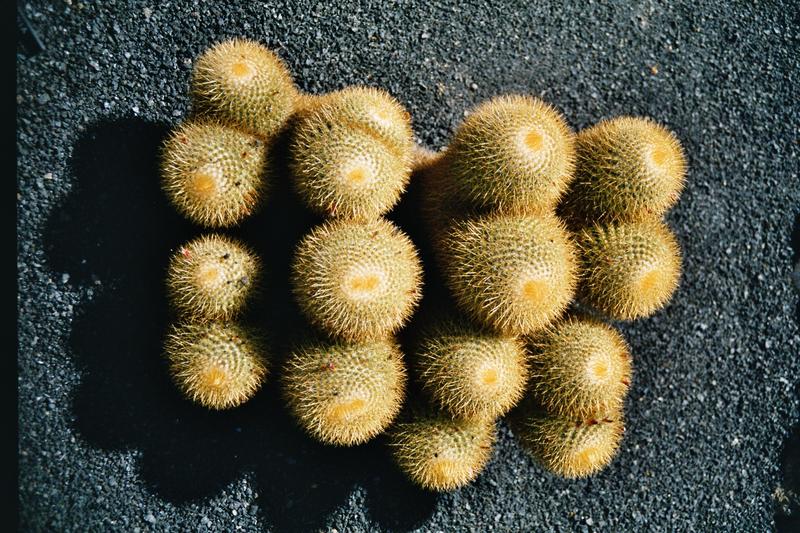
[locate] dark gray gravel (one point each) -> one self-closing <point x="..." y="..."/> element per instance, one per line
<point x="106" y="444"/>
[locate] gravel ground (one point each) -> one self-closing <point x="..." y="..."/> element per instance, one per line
<point x="106" y="444"/>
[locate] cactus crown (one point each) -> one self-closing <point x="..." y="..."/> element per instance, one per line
<point x="351" y="153"/>
<point x="580" y="368"/>
<point x="345" y="394"/>
<point x="471" y="373"/>
<point x="630" y="270"/>
<point x="515" y="273"/>
<point x="628" y="169"/>
<point x="442" y="454"/>
<point x="213" y="174"/>
<point x="357" y="280"/>
<point x="212" y="277"/>
<point x="241" y="83"/>
<point x="513" y="153"/>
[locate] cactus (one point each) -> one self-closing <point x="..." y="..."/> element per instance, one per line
<point x="628" y="169"/>
<point x="351" y="153"/>
<point x="357" y="280"/>
<point x="244" y="85"/>
<point x="512" y="153"/>
<point x="470" y="372"/>
<point x="217" y="365"/>
<point x="345" y="394"/>
<point x="568" y="447"/>
<point x="212" y="174"/>
<point x="630" y="270"/>
<point x="212" y="277"/>
<point x="439" y="453"/>
<point x="515" y="273"/>
<point x="580" y="368"/>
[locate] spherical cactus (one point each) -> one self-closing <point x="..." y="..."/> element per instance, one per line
<point x="357" y="280"/>
<point x="513" y="152"/>
<point x="627" y="169"/>
<point x="345" y="394"/>
<point x="440" y="453"/>
<point x="218" y="365"/>
<point x="243" y="84"/>
<point x="469" y="372"/>
<point x="515" y="273"/>
<point x="212" y="277"/>
<point x="568" y="447"/>
<point x="630" y="270"/>
<point x="351" y="154"/>
<point x="580" y="368"/>
<point x="212" y="174"/>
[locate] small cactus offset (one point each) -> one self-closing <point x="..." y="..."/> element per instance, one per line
<point x="218" y="365"/>
<point x="213" y="174"/>
<point x="244" y="85"/>
<point x="212" y="278"/>
<point x="345" y="394"/>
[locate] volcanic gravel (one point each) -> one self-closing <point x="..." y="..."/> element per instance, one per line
<point x="107" y="444"/>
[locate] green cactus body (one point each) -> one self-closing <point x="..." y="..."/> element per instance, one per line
<point x="628" y="169"/>
<point x="514" y="273"/>
<point x="345" y="394"/>
<point x="351" y="153"/>
<point x="357" y="280"/>
<point x="629" y="270"/>
<point x="470" y="372"/>
<point x="212" y="174"/>
<point x="217" y="365"/>
<point x="439" y="453"/>
<point x="244" y="85"/>
<point x="569" y="447"/>
<point x="212" y="277"/>
<point x="580" y="368"/>
<point x="513" y="153"/>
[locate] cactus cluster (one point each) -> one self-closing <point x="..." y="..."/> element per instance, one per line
<point x="525" y="218"/>
<point x="213" y="171"/>
<point x="356" y="277"/>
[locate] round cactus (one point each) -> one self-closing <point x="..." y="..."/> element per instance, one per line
<point x="580" y="368"/>
<point x="243" y="84"/>
<point x="212" y="277"/>
<point x="568" y="447"/>
<point x="212" y="174"/>
<point x="357" y="280"/>
<point x="345" y="394"/>
<point x="630" y="270"/>
<point x="217" y="365"/>
<point x="439" y="453"/>
<point x="627" y="169"/>
<point x="515" y="273"/>
<point x="469" y="372"/>
<point x="513" y="153"/>
<point x="351" y="153"/>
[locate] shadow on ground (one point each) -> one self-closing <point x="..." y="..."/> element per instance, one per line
<point x="114" y="234"/>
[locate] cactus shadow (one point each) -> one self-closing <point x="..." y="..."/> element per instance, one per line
<point x="113" y="236"/>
